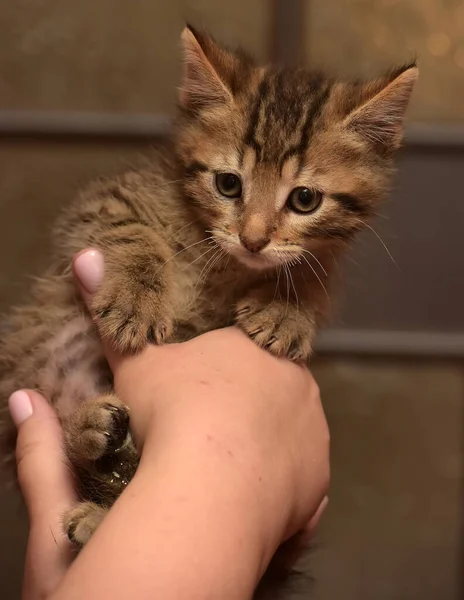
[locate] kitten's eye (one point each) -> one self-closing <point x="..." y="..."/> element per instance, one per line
<point x="229" y="185"/>
<point x="303" y="200"/>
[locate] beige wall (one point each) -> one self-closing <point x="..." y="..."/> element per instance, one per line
<point x="36" y="181"/>
<point x="119" y="55"/>
<point x="359" y="36"/>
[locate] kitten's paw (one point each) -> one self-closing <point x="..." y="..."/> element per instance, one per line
<point x="277" y="327"/>
<point x="81" y="522"/>
<point x="97" y="428"/>
<point x="130" y="316"/>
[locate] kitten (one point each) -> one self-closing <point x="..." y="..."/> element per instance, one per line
<point x="268" y="175"/>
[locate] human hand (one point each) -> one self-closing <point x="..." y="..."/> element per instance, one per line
<point x="47" y="485"/>
<point x="232" y="417"/>
<point x="221" y="387"/>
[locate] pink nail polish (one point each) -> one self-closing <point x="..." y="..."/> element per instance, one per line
<point x="89" y="269"/>
<point x="20" y="407"/>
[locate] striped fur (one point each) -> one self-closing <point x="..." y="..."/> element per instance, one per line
<point x="283" y="128"/>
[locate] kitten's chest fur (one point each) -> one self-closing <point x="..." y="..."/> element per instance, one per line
<point x="207" y="290"/>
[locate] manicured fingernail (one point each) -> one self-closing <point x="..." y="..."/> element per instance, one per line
<point x="88" y="267"/>
<point x="20" y="407"/>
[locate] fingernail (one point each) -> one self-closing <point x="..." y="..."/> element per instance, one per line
<point x="88" y="267"/>
<point x="20" y="407"/>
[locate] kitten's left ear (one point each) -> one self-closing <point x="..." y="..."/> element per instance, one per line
<point x="380" y="118"/>
<point x="211" y="73"/>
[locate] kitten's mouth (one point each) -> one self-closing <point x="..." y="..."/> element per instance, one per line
<point x="254" y="260"/>
<point x="267" y="259"/>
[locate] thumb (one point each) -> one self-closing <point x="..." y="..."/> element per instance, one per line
<point x="88" y="269"/>
<point x="43" y="474"/>
<point x="47" y="486"/>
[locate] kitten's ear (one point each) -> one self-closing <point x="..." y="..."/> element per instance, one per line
<point x="209" y="71"/>
<point x="379" y="119"/>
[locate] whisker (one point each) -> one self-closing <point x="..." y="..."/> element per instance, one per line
<point x="226" y="265"/>
<point x="217" y="257"/>
<point x="168" y="183"/>
<point x="279" y="270"/>
<point x="203" y="274"/>
<point x="303" y="275"/>
<point x="184" y="249"/>
<point x="382" y="242"/>
<point x="296" y="293"/>
<point x="288" y="290"/>
<point x="182" y="229"/>
<point x="201" y="256"/>
<point x="317" y="276"/>
<point x="335" y="262"/>
<point x="209" y="265"/>
<point x="316" y="259"/>
<point x="205" y="266"/>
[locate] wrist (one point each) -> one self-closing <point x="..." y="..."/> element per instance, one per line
<point x="188" y="526"/>
<point x="223" y="485"/>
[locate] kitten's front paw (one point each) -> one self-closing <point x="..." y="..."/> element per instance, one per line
<point x="97" y="428"/>
<point x="280" y="328"/>
<point x="81" y="522"/>
<point x="131" y="315"/>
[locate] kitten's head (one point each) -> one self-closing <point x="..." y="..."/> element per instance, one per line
<point x="279" y="161"/>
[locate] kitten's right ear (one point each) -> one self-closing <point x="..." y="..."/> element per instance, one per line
<point x="208" y="71"/>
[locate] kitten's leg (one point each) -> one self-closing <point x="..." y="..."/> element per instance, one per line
<point x="134" y="304"/>
<point x="96" y="428"/>
<point x="81" y="522"/>
<point x="283" y="324"/>
<point x="100" y="448"/>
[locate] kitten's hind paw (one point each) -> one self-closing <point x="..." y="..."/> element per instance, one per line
<point x="97" y="428"/>
<point x="81" y="522"/>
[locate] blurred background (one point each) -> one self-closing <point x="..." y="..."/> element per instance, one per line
<point x="86" y="89"/>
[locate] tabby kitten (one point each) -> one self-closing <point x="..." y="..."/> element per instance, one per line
<point x="268" y="174"/>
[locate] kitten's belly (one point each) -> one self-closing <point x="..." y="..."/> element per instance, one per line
<point x="75" y="368"/>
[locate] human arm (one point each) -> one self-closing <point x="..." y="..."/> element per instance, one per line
<point x="233" y="448"/>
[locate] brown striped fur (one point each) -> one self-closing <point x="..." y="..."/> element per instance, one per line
<point x="181" y="258"/>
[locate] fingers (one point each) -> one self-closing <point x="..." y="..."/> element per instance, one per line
<point x="47" y="486"/>
<point x="43" y="474"/>
<point x="89" y="269"/>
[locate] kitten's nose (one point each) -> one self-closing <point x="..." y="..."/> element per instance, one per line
<point x="254" y="244"/>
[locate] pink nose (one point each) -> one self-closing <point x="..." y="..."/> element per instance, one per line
<point x="254" y="245"/>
